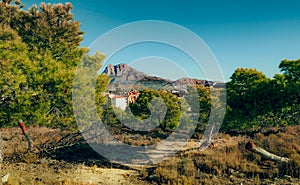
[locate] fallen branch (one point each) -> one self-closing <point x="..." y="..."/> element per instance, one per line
<point x="67" y="141"/>
<point x="252" y="147"/>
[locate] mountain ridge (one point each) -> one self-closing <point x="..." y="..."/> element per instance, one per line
<point x="122" y="75"/>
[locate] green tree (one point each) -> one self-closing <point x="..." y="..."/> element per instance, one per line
<point x="291" y="69"/>
<point x="88" y="89"/>
<point x="242" y="90"/>
<point x="142" y="108"/>
<point x="245" y="100"/>
<point x="51" y="28"/>
<point x="108" y="117"/>
<point x="172" y="119"/>
<point x="204" y="95"/>
<point x="255" y="100"/>
<point x="20" y="98"/>
<point x="39" y="56"/>
<point x="9" y="10"/>
<point x="243" y="80"/>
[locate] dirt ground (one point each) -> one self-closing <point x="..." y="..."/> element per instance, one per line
<point x="30" y="168"/>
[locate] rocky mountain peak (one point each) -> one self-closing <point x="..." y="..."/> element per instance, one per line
<point x="116" y="70"/>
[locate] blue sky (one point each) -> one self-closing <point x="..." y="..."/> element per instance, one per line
<point x="254" y="34"/>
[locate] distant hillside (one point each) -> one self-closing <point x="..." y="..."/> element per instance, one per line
<point x="125" y="77"/>
<point x="187" y="81"/>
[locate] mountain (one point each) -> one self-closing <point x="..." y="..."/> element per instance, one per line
<point x="126" y="78"/>
<point x="123" y="72"/>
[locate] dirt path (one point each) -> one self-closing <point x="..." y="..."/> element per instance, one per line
<point x="104" y="176"/>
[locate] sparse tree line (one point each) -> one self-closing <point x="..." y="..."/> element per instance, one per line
<point x="255" y="100"/>
<point x="39" y="53"/>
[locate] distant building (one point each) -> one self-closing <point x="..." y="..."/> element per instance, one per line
<point x="119" y="101"/>
<point x="220" y="85"/>
<point x="215" y="84"/>
<point x="123" y="99"/>
<point x="179" y="93"/>
<point x="209" y="83"/>
<point x="175" y="92"/>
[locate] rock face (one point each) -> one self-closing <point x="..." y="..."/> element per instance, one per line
<point x="117" y="70"/>
<point x="123" y="73"/>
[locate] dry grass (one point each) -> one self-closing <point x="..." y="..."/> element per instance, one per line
<point x="226" y="161"/>
<point x="231" y="163"/>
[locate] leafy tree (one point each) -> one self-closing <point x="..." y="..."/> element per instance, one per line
<point x="255" y="100"/>
<point x="141" y="108"/>
<point x="51" y="28"/>
<point x="9" y="10"/>
<point x="108" y="117"/>
<point x="173" y="114"/>
<point x="19" y="97"/>
<point x="242" y="97"/>
<point x="39" y="56"/>
<point x="242" y="90"/>
<point x="204" y="95"/>
<point x="88" y="87"/>
<point x="291" y="69"/>
<point x="243" y="80"/>
<point x="101" y="84"/>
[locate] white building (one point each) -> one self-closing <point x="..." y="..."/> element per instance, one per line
<point x="119" y="101"/>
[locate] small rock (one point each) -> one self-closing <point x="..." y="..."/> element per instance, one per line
<point x="5" y="178"/>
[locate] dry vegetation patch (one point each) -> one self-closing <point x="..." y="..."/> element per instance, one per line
<point x="225" y="161"/>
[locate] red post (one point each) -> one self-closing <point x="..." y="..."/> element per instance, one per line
<point x="23" y="128"/>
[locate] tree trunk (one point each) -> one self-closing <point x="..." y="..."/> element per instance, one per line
<point x="252" y="147"/>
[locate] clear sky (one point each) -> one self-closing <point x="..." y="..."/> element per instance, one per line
<point x="241" y="33"/>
